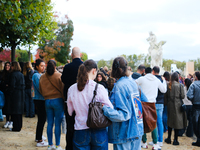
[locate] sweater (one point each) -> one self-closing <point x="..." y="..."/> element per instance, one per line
<point x="150" y="85"/>
<point x="51" y="87"/>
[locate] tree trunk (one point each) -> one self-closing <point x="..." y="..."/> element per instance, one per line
<point x="29" y="53"/>
<point x="13" y="53"/>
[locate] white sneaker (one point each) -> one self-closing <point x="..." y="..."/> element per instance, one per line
<point x="151" y="143"/>
<point x="10" y="125"/>
<point x="144" y="145"/>
<point x="43" y="138"/>
<point x="59" y="148"/>
<point x="51" y="147"/>
<point x="156" y="147"/>
<point x="6" y="125"/>
<point x="41" y="144"/>
<point x="160" y="144"/>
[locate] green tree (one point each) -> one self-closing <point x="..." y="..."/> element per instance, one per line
<point x="180" y="64"/>
<point x="22" y="56"/>
<point x="64" y="35"/>
<point x="25" y="22"/>
<point x="101" y="63"/>
<point x="84" y="56"/>
<point x="167" y="64"/>
<point x="58" y="48"/>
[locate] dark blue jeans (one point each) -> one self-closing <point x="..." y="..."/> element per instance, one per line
<point x="90" y="139"/>
<point x="55" y="111"/>
<point x="165" y="118"/>
<point x="189" y="131"/>
<point x="30" y="107"/>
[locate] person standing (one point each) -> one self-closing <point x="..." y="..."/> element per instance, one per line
<point x="176" y="118"/>
<point x="193" y="94"/>
<point x="39" y="103"/>
<point x="126" y="129"/>
<point x="79" y="96"/>
<point x="159" y="108"/>
<point x="51" y="87"/>
<point x="17" y="96"/>
<point x="188" y="103"/>
<point x="4" y="87"/>
<point x="28" y="73"/>
<point x="150" y="85"/>
<point x="166" y="75"/>
<point x="139" y="73"/>
<point x="69" y="77"/>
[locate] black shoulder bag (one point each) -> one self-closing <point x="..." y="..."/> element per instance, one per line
<point x="96" y="118"/>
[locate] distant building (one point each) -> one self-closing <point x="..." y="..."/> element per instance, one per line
<point x="174" y="68"/>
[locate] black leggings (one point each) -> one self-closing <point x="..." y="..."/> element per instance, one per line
<point x="41" y="113"/>
<point x="175" y="133"/>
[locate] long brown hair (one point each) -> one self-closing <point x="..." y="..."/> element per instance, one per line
<point x="102" y="75"/>
<point x="174" y="77"/>
<point x="26" y="66"/>
<point x="16" y="66"/>
<point x="83" y="70"/>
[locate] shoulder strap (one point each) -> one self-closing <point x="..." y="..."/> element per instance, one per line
<point x="53" y="84"/>
<point x="138" y="88"/>
<point x="95" y="92"/>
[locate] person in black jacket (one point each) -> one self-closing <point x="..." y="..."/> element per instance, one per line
<point x="28" y="73"/>
<point x="139" y="73"/>
<point x="17" y="96"/>
<point x="101" y="79"/>
<point x="5" y="89"/>
<point x="69" y="77"/>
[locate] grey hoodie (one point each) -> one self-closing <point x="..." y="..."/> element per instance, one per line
<point x="193" y="93"/>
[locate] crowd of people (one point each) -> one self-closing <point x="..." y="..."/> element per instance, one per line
<point x="53" y="94"/>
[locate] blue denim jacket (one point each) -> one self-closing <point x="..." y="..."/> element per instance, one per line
<point x="126" y="117"/>
<point x="36" y="78"/>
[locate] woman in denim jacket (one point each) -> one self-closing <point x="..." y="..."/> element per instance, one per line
<point x="127" y="122"/>
<point x="39" y="103"/>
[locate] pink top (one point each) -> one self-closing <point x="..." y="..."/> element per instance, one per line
<point x="78" y="101"/>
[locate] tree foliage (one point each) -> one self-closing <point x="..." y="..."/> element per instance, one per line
<point x="58" y="48"/>
<point x="84" y="56"/>
<point x="5" y="55"/>
<point x="25" y="22"/>
<point x="22" y="56"/>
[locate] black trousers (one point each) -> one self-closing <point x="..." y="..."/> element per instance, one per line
<point x="196" y="120"/>
<point x="17" y="122"/>
<point x="175" y="133"/>
<point x="70" y="120"/>
<point x="41" y="113"/>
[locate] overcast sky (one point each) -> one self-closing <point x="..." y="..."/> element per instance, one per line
<point x="108" y="28"/>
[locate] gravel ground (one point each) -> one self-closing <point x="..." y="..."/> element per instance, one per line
<point x="24" y="140"/>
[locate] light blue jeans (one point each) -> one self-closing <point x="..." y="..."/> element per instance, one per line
<point x="133" y="145"/>
<point x="159" y="110"/>
<point x="54" y="111"/>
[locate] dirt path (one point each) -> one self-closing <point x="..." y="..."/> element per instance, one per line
<point x="24" y="140"/>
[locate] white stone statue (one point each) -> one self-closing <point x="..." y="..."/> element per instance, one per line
<point x="155" y="51"/>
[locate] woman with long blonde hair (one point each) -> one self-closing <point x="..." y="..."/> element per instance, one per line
<point x="28" y="73"/>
